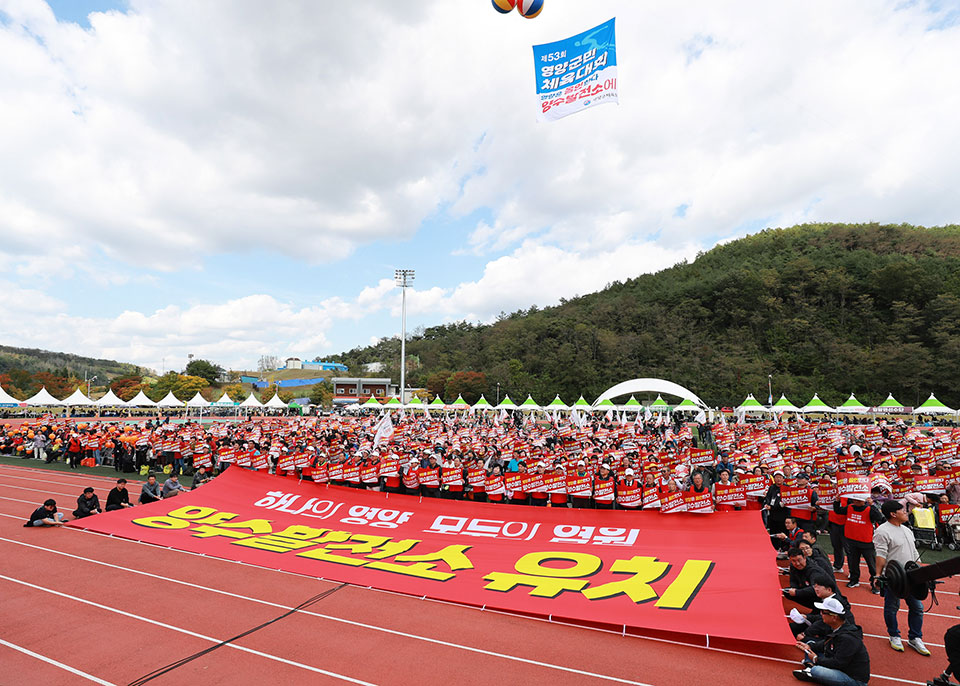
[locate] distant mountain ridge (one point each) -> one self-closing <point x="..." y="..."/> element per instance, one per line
<point x="826" y="308"/>
<point x="35" y="360"/>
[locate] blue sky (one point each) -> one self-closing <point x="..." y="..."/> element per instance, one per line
<point x="236" y="179"/>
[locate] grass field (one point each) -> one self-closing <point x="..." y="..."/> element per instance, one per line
<point x="105" y="472"/>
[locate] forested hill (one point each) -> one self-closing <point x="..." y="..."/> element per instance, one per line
<point x="830" y="308"/>
<point x="64" y="364"/>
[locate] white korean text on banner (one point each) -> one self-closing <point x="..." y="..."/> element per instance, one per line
<point x="576" y="73"/>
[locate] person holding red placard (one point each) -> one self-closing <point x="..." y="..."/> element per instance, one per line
<point x="604" y="488"/>
<point x="858" y="534"/>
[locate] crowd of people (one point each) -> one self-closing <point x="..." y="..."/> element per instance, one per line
<point x="788" y="472"/>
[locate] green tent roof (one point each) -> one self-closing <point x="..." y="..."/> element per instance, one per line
<point x="529" y="404"/>
<point x="415" y="400"/>
<point x="685" y="404"/>
<point x="852" y="406"/>
<point x="751" y="404"/>
<point x="482" y="404"/>
<point x="557" y="404"/>
<point x="660" y="402"/>
<point x="816" y="405"/>
<point x="371" y="402"/>
<point x="581" y="403"/>
<point x="890" y="402"/>
<point x="933" y="406"/>
<point x="633" y="403"/>
<point x="605" y="404"/>
<point x="437" y="402"/>
<point x="459" y="403"/>
<point x="393" y="402"/>
<point x="784" y="405"/>
<point x="506" y="404"/>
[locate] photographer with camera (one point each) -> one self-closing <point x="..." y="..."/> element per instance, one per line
<point x="895" y="542"/>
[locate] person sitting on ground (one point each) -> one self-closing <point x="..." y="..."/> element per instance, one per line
<point x="88" y="503"/>
<point x="46" y="515"/>
<point x="118" y="497"/>
<point x="172" y="487"/>
<point x="843" y="660"/>
<point x="201" y="476"/>
<point x="150" y="491"/>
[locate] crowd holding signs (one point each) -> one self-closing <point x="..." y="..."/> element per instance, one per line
<point x="599" y="463"/>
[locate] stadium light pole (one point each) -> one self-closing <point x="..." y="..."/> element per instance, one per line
<point x="404" y="279"/>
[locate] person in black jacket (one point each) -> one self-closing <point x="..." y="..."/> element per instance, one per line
<point x="802" y="573"/>
<point x="88" y="503"/>
<point x="843" y="658"/>
<point x="46" y="515"/>
<point x="118" y="497"/>
<point x="820" y="560"/>
<point x="810" y="628"/>
<point x="776" y="512"/>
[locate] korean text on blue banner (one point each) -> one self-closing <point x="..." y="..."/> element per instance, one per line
<point x="576" y="73"/>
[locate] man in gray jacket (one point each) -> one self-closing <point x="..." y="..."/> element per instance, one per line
<point x="894" y="541"/>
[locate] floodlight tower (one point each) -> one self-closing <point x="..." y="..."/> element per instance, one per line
<point x="404" y="279"/>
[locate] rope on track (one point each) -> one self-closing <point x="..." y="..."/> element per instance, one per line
<point x="181" y="662"/>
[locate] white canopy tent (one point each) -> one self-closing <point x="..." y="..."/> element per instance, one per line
<point x="6" y="399"/>
<point x="275" y="403"/>
<point x="251" y="401"/>
<point x="637" y="386"/>
<point x="42" y="398"/>
<point x="170" y="400"/>
<point x="110" y="400"/>
<point x="140" y="400"/>
<point x="224" y="401"/>
<point x="198" y="401"/>
<point x="77" y="399"/>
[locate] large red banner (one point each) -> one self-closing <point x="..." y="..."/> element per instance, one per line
<point x="684" y="573"/>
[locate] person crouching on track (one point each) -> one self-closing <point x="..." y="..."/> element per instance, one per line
<point x="843" y="660"/>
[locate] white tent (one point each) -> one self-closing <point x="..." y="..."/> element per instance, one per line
<point x="111" y="400"/>
<point x="251" y="402"/>
<point x="224" y="401"/>
<point x="198" y="401"/>
<point x="76" y="399"/>
<point x="140" y="400"/>
<point x="6" y="399"/>
<point x="276" y="403"/>
<point x="170" y="400"/>
<point x="43" y="399"/>
<point x="638" y="386"/>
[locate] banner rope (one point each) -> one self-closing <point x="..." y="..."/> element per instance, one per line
<point x="181" y="662"/>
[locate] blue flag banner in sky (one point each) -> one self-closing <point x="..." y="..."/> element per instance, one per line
<point x="576" y="73"/>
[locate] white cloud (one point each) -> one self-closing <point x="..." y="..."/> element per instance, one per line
<point x="181" y="131"/>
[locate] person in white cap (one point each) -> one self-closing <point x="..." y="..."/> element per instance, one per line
<point x="843" y="659"/>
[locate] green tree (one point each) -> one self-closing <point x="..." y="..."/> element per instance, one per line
<point x="204" y="369"/>
<point x="470" y="385"/>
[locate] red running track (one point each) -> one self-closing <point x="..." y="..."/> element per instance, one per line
<point x="115" y="610"/>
